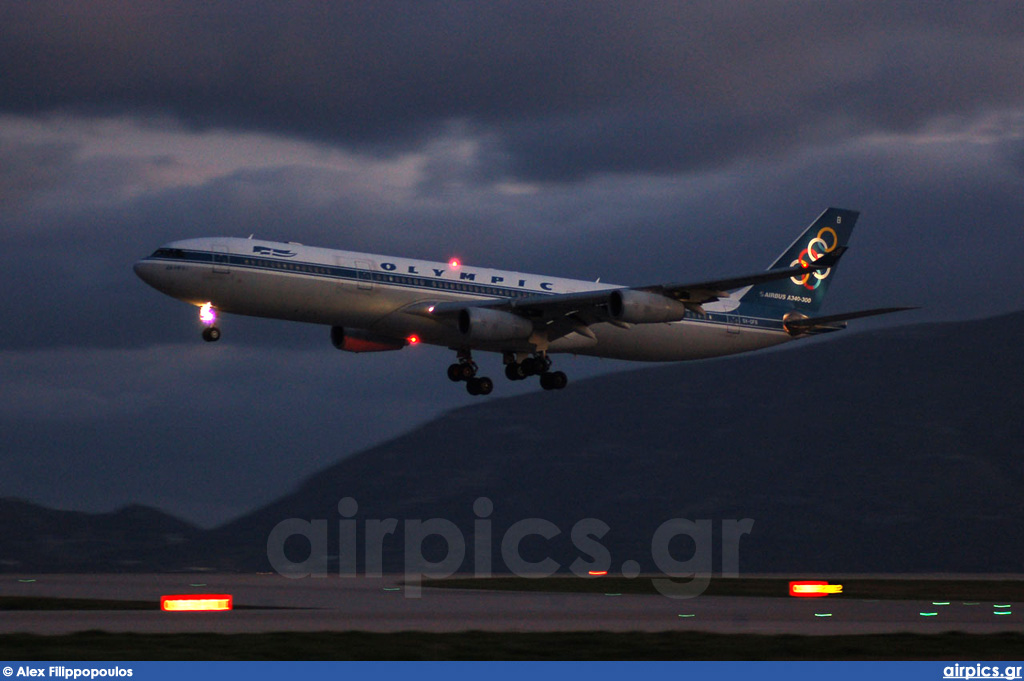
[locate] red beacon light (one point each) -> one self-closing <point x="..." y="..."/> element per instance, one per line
<point x="454" y="263"/>
<point x="413" y="339"/>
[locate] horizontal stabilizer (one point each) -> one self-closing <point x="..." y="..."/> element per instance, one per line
<point x="797" y="324"/>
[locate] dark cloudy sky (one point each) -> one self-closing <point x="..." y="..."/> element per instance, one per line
<point x="638" y="142"/>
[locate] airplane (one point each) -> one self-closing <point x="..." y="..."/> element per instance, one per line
<point x="376" y="303"/>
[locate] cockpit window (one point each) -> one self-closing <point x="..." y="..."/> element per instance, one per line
<point x="169" y="253"/>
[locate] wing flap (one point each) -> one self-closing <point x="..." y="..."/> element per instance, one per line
<point x="539" y="307"/>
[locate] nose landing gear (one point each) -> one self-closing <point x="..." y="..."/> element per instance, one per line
<point x="208" y="317"/>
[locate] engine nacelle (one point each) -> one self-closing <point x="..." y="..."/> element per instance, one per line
<point x="482" y="324"/>
<point x="641" y="307"/>
<point x="357" y="340"/>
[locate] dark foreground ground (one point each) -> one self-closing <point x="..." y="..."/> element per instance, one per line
<point x="60" y="617"/>
<point x="889" y="588"/>
<point x="477" y="645"/>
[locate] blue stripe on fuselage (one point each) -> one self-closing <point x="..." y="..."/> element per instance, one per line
<point x="751" y="317"/>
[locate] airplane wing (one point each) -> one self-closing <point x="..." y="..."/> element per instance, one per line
<point x="564" y="313"/>
<point x="709" y="291"/>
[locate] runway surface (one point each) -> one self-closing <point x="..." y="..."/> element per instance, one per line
<point x="385" y="605"/>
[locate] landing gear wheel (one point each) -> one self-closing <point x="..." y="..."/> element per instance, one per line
<point x="553" y="380"/>
<point x="534" y="366"/>
<point x="211" y="333"/>
<point x="514" y="371"/>
<point x="479" y="386"/>
<point x="461" y="371"/>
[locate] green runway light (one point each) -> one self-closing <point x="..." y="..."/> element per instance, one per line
<point x="1003" y="606"/>
<point x="613" y="594"/>
<point x="687" y="615"/>
<point x="1002" y="612"/>
<point x="392" y="588"/>
<point x="929" y="614"/>
<point x="971" y="603"/>
<point x="822" y="614"/>
<point x="940" y="602"/>
<point x="26" y="581"/>
<point x="203" y="584"/>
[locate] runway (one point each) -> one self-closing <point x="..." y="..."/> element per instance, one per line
<point x="272" y="603"/>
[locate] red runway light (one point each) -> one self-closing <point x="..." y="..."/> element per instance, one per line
<point x="598" y="573"/>
<point x="813" y="589"/>
<point x="196" y="602"/>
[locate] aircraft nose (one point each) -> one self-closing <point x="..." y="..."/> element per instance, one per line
<point x="144" y="270"/>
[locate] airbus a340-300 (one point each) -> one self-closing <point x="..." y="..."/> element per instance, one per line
<point x="379" y="302"/>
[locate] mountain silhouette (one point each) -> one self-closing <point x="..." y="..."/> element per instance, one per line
<point x="890" y="451"/>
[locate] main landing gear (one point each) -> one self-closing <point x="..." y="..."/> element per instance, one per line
<point x="465" y="370"/>
<point x="538" y="365"/>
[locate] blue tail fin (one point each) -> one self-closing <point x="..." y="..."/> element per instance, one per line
<point x="806" y="293"/>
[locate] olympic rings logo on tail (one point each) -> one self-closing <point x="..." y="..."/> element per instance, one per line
<point x="816" y="247"/>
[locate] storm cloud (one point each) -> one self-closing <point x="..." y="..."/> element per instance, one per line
<point x="639" y="143"/>
<point x="561" y="91"/>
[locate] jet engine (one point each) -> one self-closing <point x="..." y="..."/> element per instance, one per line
<point x="357" y="340"/>
<point x="641" y="307"/>
<point x="482" y="324"/>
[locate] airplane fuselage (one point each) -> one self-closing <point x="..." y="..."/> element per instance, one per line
<point x="386" y="296"/>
